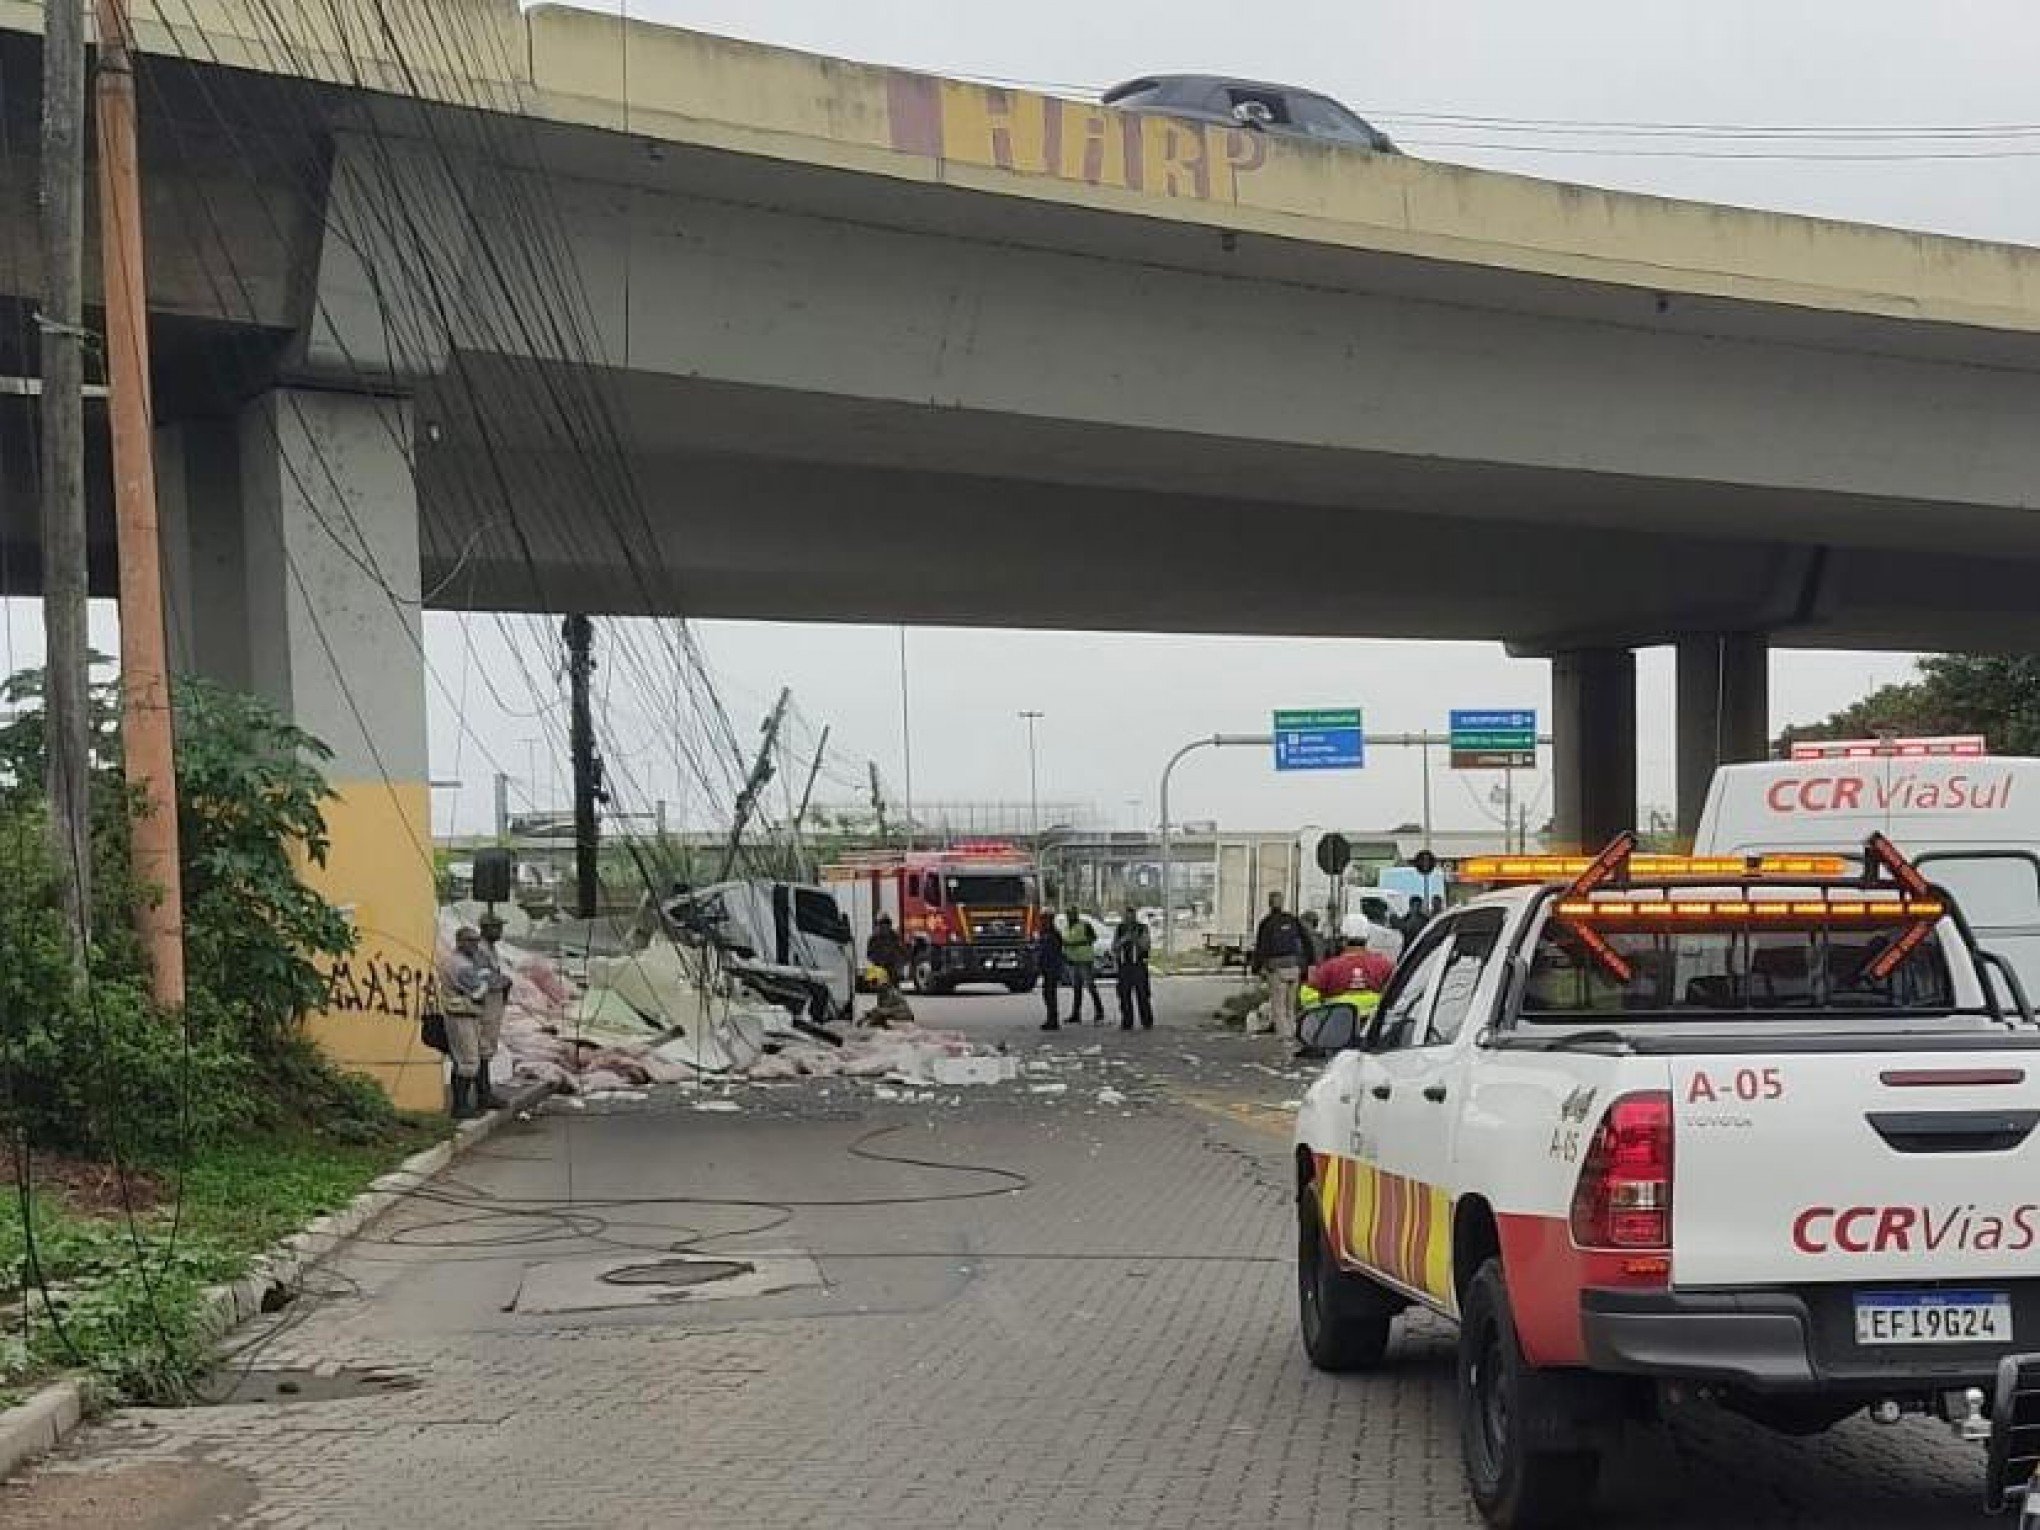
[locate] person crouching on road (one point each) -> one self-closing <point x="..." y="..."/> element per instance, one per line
<point x="1279" y="946"/>
<point x="1357" y="969"/>
<point x="1080" y="953"/>
<point x="1131" y="946"/>
<point x="886" y="953"/>
<point x="1048" y="956"/>
<point x="886" y="950"/>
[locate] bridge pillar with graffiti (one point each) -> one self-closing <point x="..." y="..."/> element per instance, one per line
<point x="294" y="570"/>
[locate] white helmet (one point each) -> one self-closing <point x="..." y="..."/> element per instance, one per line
<point x="1356" y="929"/>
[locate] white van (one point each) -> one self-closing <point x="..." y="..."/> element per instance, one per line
<point x="1968" y="819"/>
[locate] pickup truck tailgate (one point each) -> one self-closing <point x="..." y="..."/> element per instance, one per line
<point x="1902" y="1165"/>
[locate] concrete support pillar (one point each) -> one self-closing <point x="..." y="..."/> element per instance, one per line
<point x="330" y="543"/>
<point x="1724" y="712"/>
<point x="1593" y="728"/>
<point x="205" y="573"/>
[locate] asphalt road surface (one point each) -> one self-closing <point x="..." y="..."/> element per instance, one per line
<point x="1062" y="1302"/>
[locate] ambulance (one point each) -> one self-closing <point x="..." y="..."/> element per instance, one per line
<point x="1969" y="819"/>
<point x="1749" y="1132"/>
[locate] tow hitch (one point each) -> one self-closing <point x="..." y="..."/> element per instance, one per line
<point x="2012" y="1478"/>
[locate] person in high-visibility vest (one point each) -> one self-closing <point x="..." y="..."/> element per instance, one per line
<point x="1080" y="958"/>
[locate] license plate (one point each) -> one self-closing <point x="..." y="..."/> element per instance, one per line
<point x="1933" y="1317"/>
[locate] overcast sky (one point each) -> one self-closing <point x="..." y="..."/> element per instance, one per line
<point x="1689" y="85"/>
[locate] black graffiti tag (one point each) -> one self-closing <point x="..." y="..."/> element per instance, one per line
<point x="378" y="986"/>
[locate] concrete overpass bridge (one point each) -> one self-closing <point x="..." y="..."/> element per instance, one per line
<point x="465" y="306"/>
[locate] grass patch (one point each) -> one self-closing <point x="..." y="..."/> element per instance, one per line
<point x="125" y="1287"/>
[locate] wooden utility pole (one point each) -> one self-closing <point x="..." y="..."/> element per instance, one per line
<point x="579" y="633"/>
<point x="66" y="698"/>
<point x="807" y="795"/>
<point x="147" y="737"/>
<point x="877" y="802"/>
<point x="807" y="798"/>
<point x="755" y="783"/>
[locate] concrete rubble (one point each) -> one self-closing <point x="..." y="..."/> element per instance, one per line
<point x="648" y="1017"/>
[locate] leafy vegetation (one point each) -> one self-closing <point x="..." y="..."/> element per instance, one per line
<point x="124" y="1282"/>
<point x="234" y="1126"/>
<point x="1996" y="696"/>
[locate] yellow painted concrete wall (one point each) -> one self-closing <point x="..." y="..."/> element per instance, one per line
<point x="377" y="875"/>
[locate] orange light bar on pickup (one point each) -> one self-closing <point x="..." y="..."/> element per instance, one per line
<point x="1608" y="912"/>
<point x="1656" y="868"/>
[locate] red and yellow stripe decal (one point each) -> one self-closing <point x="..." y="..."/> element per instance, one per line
<point x="1398" y="1227"/>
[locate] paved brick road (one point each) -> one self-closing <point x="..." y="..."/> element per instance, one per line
<point x="1111" y="1346"/>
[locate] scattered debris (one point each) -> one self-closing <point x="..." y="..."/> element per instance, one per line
<point x="1048" y="1088"/>
<point x="1110" y="1096"/>
<point x="975" y="1070"/>
<point x="719" y="1107"/>
<point x="653" y="1016"/>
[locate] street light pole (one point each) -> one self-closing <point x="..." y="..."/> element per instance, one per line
<point x="906" y="743"/>
<point x="1422" y="741"/>
<point x="1215" y="741"/>
<point x="1033" y="782"/>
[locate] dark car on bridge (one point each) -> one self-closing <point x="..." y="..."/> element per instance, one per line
<point x="1268" y="108"/>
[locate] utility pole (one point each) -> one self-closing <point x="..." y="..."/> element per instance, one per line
<point x="1426" y="747"/>
<point x="579" y="633"/>
<point x="502" y="807"/>
<point x="906" y="744"/>
<point x="1033" y="783"/>
<point x="60" y="326"/>
<point x="756" y="782"/>
<point x="877" y="801"/>
<point x="147" y="736"/>
<point x="807" y="795"/>
<point x="1508" y="810"/>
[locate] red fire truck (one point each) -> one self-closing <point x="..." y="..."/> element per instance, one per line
<point x="967" y="914"/>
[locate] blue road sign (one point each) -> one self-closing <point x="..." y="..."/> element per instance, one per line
<point x="1494" y="740"/>
<point x="1320" y="739"/>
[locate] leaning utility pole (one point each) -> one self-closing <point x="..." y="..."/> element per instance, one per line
<point x="60" y="326"/>
<point x="579" y="633"/>
<point x="755" y="783"/>
<point x="877" y="802"/>
<point x="806" y="800"/>
<point x="807" y="795"/>
<point x="147" y="736"/>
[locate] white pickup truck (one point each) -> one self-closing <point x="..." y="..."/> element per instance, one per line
<point x="1762" y="1132"/>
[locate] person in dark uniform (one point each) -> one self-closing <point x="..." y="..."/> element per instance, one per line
<point x="1048" y="956"/>
<point x="886" y="951"/>
<point x="1131" y="946"/>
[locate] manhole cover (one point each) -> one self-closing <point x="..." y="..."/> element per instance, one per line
<point x="595" y="1285"/>
<point x="680" y="1272"/>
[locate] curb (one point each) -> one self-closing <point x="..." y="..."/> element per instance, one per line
<point x="53" y="1414"/>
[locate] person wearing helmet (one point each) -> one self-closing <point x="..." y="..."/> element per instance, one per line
<point x="1357" y="969"/>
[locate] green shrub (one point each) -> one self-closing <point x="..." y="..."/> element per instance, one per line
<point x="95" y="1068"/>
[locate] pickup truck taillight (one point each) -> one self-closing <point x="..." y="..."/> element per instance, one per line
<point x="1624" y="1196"/>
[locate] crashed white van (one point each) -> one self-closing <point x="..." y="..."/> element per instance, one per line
<point x="1968" y="819"/>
